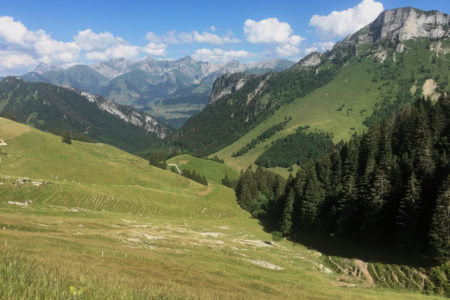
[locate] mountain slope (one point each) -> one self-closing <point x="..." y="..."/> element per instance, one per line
<point x="100" y="220"/>
<point x="358" y="81"/>
<point x="56" y="109"/>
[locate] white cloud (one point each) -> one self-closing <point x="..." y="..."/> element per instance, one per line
<point x="220" y="55"/>
<point x="270" y="31"/>
<point x="311" y="50"/>
<point x="155" y="49"/>
<point x="173" y="37"/>
<point x="22" y="47"/>
<point x="287" y="50"/>
<point x="11" y="60"/>
<point x="320" y="47"/>
<point x="126" y="51"/>
<point x="342" y="23"/>
<point x="89" y="40"/>
<point x="213" y="28"/>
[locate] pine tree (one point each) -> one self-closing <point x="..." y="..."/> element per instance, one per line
<point x="407" y="215"/>
<point x="312" y="198"/>
<point x="286" y="223"/>
<point x="440" y="224"/>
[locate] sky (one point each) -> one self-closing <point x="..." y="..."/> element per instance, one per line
<point x="67" y="32"/>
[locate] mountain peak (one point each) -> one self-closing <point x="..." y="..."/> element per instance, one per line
<point x="403" y="24"/>
<point x="186" y="58"/>
<point x="42" y="68"/>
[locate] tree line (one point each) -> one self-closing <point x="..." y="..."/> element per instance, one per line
<point x="296" y="148"/>
<point x="262" y="137"/>
<point x="389" y="186"/>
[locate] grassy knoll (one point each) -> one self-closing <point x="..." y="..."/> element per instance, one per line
<point x="106" y="223"/>
<point x="214" y="171"/>
<point x="341" y="106"/>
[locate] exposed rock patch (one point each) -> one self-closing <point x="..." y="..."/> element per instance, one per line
<point x="264" y="264"/>
<point x="429" y="90"/>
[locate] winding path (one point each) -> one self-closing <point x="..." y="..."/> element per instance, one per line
<point x="176" y="166"/>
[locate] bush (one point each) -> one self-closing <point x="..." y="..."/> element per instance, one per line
<point x="67" y="138"/>
<point x="277" y="236"/>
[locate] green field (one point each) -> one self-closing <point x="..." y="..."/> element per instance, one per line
<point x="107" y="223"/>
<point x="341" y="106"/>
<point x="214" y="171"/>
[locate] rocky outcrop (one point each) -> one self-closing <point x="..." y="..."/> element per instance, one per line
<point x="309" y="61"/>
<point x="226" y="85"/>
<point x="402" y="24"/>
<point x="125" y="113"/>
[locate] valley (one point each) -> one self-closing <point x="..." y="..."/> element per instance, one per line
<point x="224" y="162"/>
<point x="129" y="230"/>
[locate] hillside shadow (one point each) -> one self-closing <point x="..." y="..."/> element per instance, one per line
<point x="373" y="253"/>
<point x="347" y="248"/>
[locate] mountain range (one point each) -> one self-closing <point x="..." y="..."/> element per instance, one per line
<point x="402" y="55"/>
<point x="172" y="90"/>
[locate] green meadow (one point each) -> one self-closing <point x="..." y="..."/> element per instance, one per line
<point x="94" y="222"/>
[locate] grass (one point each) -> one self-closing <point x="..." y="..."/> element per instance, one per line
<point x="108" y="222"/>
<point x="341" y="106"/>
<point x="214" y="171"/>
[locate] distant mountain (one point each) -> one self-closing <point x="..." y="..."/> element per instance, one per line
<point x="43" y="68"/>
<point x="172" y="90"/>
<point x="81" y="77"/>
<point x="403" y="54"/>
<point x="112" y="68"/>
<point x="55" y="108"/>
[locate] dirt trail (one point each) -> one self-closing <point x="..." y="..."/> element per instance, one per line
<point x="205" y="191"/>
<point x="176" y="166"/>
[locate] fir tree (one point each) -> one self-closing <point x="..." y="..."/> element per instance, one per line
<point x="286" y="225"/>
<point x="440" y="224"/>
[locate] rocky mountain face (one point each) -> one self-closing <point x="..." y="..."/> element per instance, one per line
<point x="55" y="108"/>
<point x="168" y="89"/>
<point x="128" y="114"/>
<point x="399" y="25"/>
<point x="112" y="68"/>
<point x="240" y="101"/>
<point x="227" y="84"/>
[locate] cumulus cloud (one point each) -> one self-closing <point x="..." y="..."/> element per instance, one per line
<point x="11" y="59"/>
<point x="311" y="50"/>
<point x="271" y="30"/>
<point x="342" y="23"/>
<point x="126" y="51"/>
<point x="287" y="50"/>
<point x="155" y="49"/>
<point x="320" y="47"/>
<point x="90" y="41"/>
<point x="173" y="37"/>
<point x="220" y="55"/>
<point x="22" y="47"/>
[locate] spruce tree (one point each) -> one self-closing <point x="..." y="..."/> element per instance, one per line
<point x="407" y="212"/>
<point x="312" y="198"/>
<point x="440" y="224"/>
<point x="286" y="223"/>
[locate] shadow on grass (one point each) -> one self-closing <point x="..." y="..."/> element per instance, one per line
<point x="348" y="248"/>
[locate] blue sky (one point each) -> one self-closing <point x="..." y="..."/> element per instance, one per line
<point x="70" y="32"/>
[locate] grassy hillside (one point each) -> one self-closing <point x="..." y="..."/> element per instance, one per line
<point x="214" y="171"/>
<point x="103" y="223"/>
<point x="341" y="106"/>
